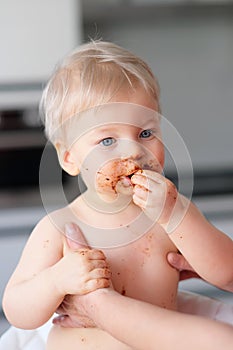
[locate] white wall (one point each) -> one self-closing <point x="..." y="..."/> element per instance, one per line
<point x="34" y="35"/>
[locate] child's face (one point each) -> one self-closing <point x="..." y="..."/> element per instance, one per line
<point x="120" y="139"/>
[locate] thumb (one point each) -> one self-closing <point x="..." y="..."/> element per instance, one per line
<point x="178" y="261"/>
<point x="65" y="321"/>
<point x="74" y="237"/>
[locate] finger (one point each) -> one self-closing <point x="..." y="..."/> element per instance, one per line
<point x="98" y="264"/>
<point x="76" y="321"/>
<point x="100" y="273"/>
<point x="146" y="183"/>
<point x="66" y="306"/>
<point x="141" y="192"/>
<point x="124" y="186"/>
<point x="140" y="180"/>
<point x="179" y="262"/>
<point x="95" y="254"/>
<point x="148" y="175"/>
<point x="66" y="322"/>
<point x="154" y="175"/>
<point x="60" y="310"/>
<point x="74" y="237"/>
<point x="97" y="283"/>
<point x="139" y="201"/>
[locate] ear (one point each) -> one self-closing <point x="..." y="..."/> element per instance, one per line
<point x="66" y="159"/>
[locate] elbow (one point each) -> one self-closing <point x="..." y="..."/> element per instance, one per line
<point x="7" y="307"/>
<point x="221" y="277"/>
<point x="9" y="311"/>
<point x="15" y="316"/>
<point x="228" y="286"/>
<point x="225" y="283"/>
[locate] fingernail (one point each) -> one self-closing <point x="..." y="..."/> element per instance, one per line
<point x="58" y="319"/>
<point x="70" y="231"/>
<point x="74" y="236"/>
<point x="173" y="258"/>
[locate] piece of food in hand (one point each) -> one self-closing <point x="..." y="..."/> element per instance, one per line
<point x="115" y="176"/>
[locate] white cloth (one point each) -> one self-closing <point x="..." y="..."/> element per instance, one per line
<point x="19" y="339"/>
<point x="191" y="303"/>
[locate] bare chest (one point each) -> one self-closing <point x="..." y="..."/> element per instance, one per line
<point x="140" y="270"/>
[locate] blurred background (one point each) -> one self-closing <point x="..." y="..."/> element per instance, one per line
<point x="189" y="46"/>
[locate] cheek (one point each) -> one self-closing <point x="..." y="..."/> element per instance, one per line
<point x="79" y="154"/>
<point x="157" y="156"/>
<point x="161" y="156"/>
<point x="105" y="179"/>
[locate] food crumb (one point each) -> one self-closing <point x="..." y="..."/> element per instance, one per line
<point x="123" y="291"/>
<point x="146" y="251"/>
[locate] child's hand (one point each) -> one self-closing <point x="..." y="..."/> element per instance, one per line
<point x="155" y="195"/>
<point x="81" y="270"/>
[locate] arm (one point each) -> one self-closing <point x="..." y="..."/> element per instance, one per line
<point x="159" y="328"/>
<point x="28" y="301"/>
<point x="44" y="276"/>
<point x="208" y="250"/>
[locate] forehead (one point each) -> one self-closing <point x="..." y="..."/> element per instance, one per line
<point x="108" y="116"/>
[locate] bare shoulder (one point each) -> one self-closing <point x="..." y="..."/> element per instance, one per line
<point x="53" y="224"/>
<point x="49" y="231"/>
<point x="44" y="247"/>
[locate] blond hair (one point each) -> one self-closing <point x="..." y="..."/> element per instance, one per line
<point x="90" y="76"/>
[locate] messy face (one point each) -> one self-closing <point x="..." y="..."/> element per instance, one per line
<point x="108" y="144"/>
<point x="113" y="142"/>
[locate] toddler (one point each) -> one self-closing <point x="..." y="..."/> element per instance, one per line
<point x="102" y="114"/>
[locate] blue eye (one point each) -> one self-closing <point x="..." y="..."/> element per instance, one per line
<point x="146" y="133"/>
<point x="109" y="141"/>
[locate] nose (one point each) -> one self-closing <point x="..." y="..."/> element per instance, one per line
<point x="132" y="150"/>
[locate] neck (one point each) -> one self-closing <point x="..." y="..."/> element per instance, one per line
<point x="106" y="204"/>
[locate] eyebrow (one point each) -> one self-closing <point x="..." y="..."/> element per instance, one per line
<point x="103" y="129"/>
<point x="112" y="126"/>
<point x="156" y="121"/>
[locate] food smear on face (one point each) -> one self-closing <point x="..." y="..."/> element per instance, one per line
<point x="114" y="172"/>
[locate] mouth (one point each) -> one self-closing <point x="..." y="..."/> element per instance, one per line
<point x="134" y="172"/>
<point x="119" y="172"/>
